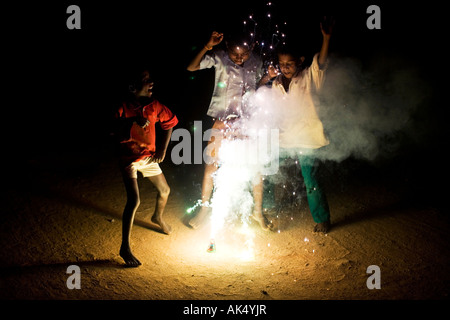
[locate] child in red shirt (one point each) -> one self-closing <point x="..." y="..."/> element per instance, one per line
<point x="136" y="121"/>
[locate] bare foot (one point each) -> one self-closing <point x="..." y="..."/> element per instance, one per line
<point x="128" y="257"/>
<point x="262" y="220"/>
<point x="323" y="227"/>
<point x="165" y="228"/>
<point x="198" y="220"/>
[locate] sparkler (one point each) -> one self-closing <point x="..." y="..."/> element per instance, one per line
<point x="197" y="204"/>
<point x="232" y="197"/>
<point x="212" y="246"/>
<point x="232" y="194"/>
<point x="266" y="35"/>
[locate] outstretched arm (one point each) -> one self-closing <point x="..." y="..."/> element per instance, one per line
<point x="326" y="26"/>
<point x="214" y="40"/>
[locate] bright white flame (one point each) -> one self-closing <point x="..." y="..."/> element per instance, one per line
<point x="248" y="149"/>
<point x="247" y="255"/>
<point x="232" y="198"/>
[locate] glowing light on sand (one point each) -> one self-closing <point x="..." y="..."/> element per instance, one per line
<point x="232" y="199"/>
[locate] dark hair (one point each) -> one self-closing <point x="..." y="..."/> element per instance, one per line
<point x="239" y="39"/>
<point x="134" y="74"/>
<point x="290" y="49"/>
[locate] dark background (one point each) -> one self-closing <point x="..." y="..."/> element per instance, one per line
<point x="63" y="84"/>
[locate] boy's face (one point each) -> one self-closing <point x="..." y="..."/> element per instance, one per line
<point x="288" y="65"/>
<point x="239" y="54"/>
<point x="146" y="86"/>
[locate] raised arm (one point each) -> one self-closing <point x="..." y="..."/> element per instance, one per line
<point x="326" y="26"/>
<point x="214" y="40"/>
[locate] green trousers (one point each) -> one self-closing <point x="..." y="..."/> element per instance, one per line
<point x="317" y="201"/>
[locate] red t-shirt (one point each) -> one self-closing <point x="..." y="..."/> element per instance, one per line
<point x="142" y="141"/>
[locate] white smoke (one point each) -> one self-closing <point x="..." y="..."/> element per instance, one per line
<point x="366" y="113"/>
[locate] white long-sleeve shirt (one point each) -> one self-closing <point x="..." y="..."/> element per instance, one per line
<point x="298" y="121"/>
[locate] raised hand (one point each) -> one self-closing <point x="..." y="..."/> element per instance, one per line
<point x="326" y="26"/>
<point x="215" y="39"/>
<point x="272" y="71"/>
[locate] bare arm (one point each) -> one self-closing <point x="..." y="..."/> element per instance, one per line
<point x="271" y="73"/>
<point x="161" y="151"/>
<point x="215" y="39"/>
<point x="326" y="27"/>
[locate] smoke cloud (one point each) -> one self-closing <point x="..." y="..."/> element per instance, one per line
<point x="368" y="112"/>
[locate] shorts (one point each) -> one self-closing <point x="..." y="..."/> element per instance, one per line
<point x="144" y="166"/>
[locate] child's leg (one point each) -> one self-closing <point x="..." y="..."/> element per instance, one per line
<point x="207" y="188"/>
<point x="208" y="181"/>
<point x="258" y="199"/>
<point x="317" y="200"/>
<point x="268" y="194"/>
<point x="159" y="181"/>
<point x="133" y="202"/>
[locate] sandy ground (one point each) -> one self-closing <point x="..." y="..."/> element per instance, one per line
<point x="55" y="215"/>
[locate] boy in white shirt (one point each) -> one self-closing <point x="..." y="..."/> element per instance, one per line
<point x="301" y="130"/>
<point x="237" y="74"/>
